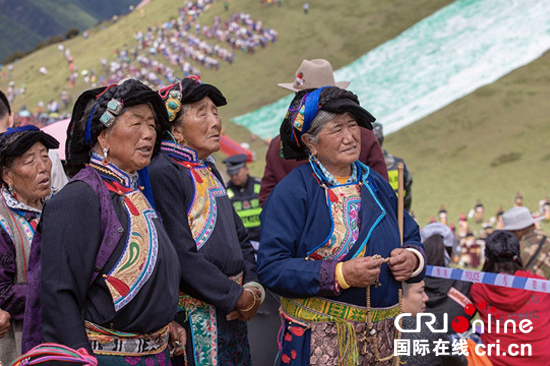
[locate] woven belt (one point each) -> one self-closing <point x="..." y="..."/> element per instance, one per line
<point x="114" y="343"/>
<point x="316" y="309"/>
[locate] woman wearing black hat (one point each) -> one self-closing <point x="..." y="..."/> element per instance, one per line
<point x="328" y="230"/>
<point x="25" y="173"/>
<point x="220" y="289"/>
<point x="109" y="270"/>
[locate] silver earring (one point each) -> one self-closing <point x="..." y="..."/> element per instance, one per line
<point x="105" y="153"/>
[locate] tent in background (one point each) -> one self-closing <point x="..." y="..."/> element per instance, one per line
<point x="59" y="131"/>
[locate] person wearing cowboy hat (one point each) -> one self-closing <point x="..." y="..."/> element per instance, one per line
<point x="313" y="74"/>
<point x="535" y="246"/>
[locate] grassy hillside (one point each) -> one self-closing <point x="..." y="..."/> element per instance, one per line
<point x="23" y="23"/>
<point x="487" y="145"/>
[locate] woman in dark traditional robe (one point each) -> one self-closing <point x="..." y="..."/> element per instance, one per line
<point x="220" y="291"/>
<point x="109" y="272"/>
<point x="330" y="241"/>
<point x="26" y="176"/>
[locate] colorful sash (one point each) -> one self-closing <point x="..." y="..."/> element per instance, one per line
<point x="204" y="328"/>
<point x="113" y="343"/>
<point x="138" y="260"/>
<point x="203" y="211"/>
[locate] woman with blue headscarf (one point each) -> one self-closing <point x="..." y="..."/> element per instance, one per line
<point x="330" y="242"/>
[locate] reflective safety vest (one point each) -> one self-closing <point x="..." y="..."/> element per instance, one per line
<point x="394" y="181"/>
<point x="247" y="205"/>
<point x="393" y="177"/>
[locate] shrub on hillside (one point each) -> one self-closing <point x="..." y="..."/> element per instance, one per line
<point x="71" y="33"/>
<point x="14" y="56"/>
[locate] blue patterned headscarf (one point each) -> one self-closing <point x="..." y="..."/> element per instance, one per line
<point x="305" y="106"/>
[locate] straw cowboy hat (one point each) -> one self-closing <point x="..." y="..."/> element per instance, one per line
<point x="312" y="75"/>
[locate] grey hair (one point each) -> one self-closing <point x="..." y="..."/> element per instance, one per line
<point x="319" y="122"/>
<point x="181" y="115"/>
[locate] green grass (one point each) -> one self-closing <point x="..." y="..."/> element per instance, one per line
<point x="487" y="145"/>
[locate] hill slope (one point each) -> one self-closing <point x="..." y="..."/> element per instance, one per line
<point x="449" y="152"/>
<point x="24" y="23"/>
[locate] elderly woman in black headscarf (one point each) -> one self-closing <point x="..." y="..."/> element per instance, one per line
<point x="330" y="241"/>
<point x="109" y="280"/>
<point x="25" y="173"/>
<point x="220" y="288"/>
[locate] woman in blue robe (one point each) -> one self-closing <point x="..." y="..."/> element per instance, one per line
<point x="330" y="242"/>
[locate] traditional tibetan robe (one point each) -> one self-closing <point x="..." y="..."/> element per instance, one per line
<point x="213" y="244"/>
<point x="109" y="279"/>
<point x="310" y="223"/>
<point x="17" y="225"/>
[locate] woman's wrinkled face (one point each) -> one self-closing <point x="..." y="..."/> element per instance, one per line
<point x="202" y="127"/>
<point x="131" y="140"/>
<point x="339" y="143"/>
<point x="30" y="174"/>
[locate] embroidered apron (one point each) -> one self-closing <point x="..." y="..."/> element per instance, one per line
<point x="338" y="330"/>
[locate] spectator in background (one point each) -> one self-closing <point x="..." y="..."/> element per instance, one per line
<point x="25" y="184"/>
<point x="243" y="190"/>
<point x="446" y="296"/>
<point x="414" y="302"/>
<point x="391" y="165"/>
<point x="502" y="252"/>
<point x="535" y="246"/>
<point x="58" y="177"/>
<point x="309" y="76"/>
<point x="6" y="115"/>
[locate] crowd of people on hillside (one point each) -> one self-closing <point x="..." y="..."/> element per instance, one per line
<point x="184" y="44"/>
<point x="321" y="243"/>
<point x="135" y="251"/>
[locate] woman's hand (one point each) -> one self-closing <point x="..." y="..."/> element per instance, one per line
<point x="178" y="338"/>
<point x="362" y="272"/>
<point x="4" y="322"/>
<point x="247" y="305"/>
<point x="402" y="264"/>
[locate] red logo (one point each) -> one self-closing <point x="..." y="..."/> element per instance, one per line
<point x="460" y="324"/>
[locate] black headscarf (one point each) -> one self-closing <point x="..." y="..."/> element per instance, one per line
<point x="16" y="141"/>
<point x="85" y="125"/>
<point x="188" y="91"/>
<point x="304" y="108"/>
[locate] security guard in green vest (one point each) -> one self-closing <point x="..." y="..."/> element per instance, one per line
<point x="243" y="192"/>
<point x="391" y="165"/>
